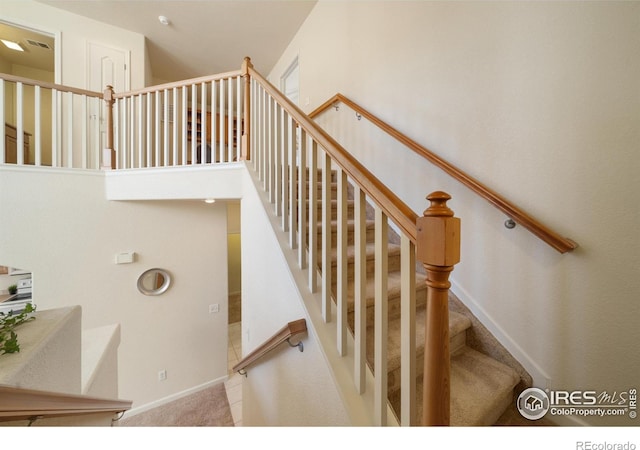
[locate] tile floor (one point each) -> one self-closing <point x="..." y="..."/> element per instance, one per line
<point x="234" y="384"/>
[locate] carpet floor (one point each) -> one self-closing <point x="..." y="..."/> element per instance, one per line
<point x="206" y="408"/>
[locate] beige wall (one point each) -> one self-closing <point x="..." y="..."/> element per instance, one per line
<point x="58" y="224"/>
<point x="538" y="100"/>
<point x="286" y="388"/>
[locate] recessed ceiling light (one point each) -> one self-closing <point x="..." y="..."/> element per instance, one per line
<point x="210" y="200"/>
<point x="164" y="20"/>
<point x="12" y="45"/>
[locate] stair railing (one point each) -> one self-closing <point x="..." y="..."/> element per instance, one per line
<point x="516" y="215"/>
<point x="283" y="335"/>
<point x="54" y="125"/>
<point x="291" y="155"/>
<point x="20" y="404"/>
<point x="192" y="122"/>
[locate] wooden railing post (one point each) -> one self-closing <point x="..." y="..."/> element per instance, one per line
<point x="246" y="126"/>
<point x="109" y="153"/>
<point x="438" y="249"/>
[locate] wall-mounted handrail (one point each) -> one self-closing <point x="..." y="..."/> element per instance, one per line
<point x="284" y="334"/>
<point x="384" y="197"/>
<point x="561" y="244"/>
<point x="18" y="404"/>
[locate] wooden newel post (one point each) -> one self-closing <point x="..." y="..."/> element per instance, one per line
<point x="438" y="249"/>
<point x="109" y="153"/>
<point x="246" y="134"/>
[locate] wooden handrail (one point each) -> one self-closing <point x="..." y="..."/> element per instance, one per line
<point x="555" y="240"/>
<point x="291" y="329"/>
<point x="398" y="211"/>
<point x="44" y="84"/>
<point x="18" y="403"/>
<point x="178" y="84"/>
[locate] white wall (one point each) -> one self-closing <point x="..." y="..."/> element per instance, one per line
<point x="75" y="32"/>
<point x="538" y="100"/>
<point x="287" y="387"/>
<point x="58" y="224"/>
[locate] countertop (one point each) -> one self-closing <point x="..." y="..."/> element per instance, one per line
<point x="7" y="297"/>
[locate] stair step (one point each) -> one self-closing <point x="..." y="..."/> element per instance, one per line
<point x="458" y="325"/>
<point x="393" y="260"/>
<point x="481" y="389"/>
<point x="334" y="209"/>
<point x="370" y="228"/>
<point x="393" y="297"/>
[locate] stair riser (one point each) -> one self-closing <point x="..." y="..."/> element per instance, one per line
<point x="393" y="266"/>
<point x="334" y="210"/>
<point x="350" y="235"/>
<point x="393" y="380"/>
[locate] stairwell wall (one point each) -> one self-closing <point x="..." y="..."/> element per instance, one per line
<point x="539" y="101"/>
<point x="286" y="387"/>
<point x="58" y="224"/>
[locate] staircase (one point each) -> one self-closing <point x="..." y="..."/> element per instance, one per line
<point x="482" y="388"/>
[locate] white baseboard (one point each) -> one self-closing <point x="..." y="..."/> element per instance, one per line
<point x="541" y="379"/>
<point x="176" y="396"/>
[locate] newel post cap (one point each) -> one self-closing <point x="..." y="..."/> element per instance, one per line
<point x="108" y="94"/>
<point x="438" y="242"/>
<point x="246" y="65"/>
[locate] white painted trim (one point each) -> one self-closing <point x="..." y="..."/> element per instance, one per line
<point x="173" y="397"/>
<point x="541" y="379"/>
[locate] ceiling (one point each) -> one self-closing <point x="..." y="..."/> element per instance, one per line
<point x="203" y="37"/>
<point x="38" y="48"/>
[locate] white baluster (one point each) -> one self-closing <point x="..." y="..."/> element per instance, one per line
<point x="141" y="133"/>
<point x="239" y="114"/>
<point x="381" y="323"/>
<point x="174" y="128"/>
<point x="302" y="201"/>
<point x="185" y="108"/>
<point x="2" y="120"/>
<point x="38" y="126"/>
<point x="293" y="195"/>
<point x="203" y="116"/>
<point x="229" y="119"/>
<point x="19" y="124"/>
<point x="341" y="267"/>
<point x="214" y="135"/>
<point x="313" y="216"/>
<point x="83" y="131"/>
<point x="326" y="237"/>
<point x="156" y="126"/>
<point x="408" y="401"/>
<point x="277" y="166"/>
<point x="194" y="122"/>
<point x="284" y="156"/>
<point x="360" y="290"/>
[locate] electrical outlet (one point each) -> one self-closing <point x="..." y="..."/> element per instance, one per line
<point x="214" y="308"/>
<point x="162" y="375"/>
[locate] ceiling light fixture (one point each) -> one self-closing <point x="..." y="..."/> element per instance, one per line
<point x="164" y="20"/>
<point x="12" y="45"/>
<point x="210" y="200"/>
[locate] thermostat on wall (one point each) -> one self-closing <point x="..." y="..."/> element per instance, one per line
<point x="125" y="258"/>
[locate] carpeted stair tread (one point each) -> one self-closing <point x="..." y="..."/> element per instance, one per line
<point x="481" y="389"/>
<point x="393" y="293"/>
<point x="458" y="324"/>
<point x="370" y="250"/>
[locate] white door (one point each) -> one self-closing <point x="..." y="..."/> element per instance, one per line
<point x="107" y="67"/>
